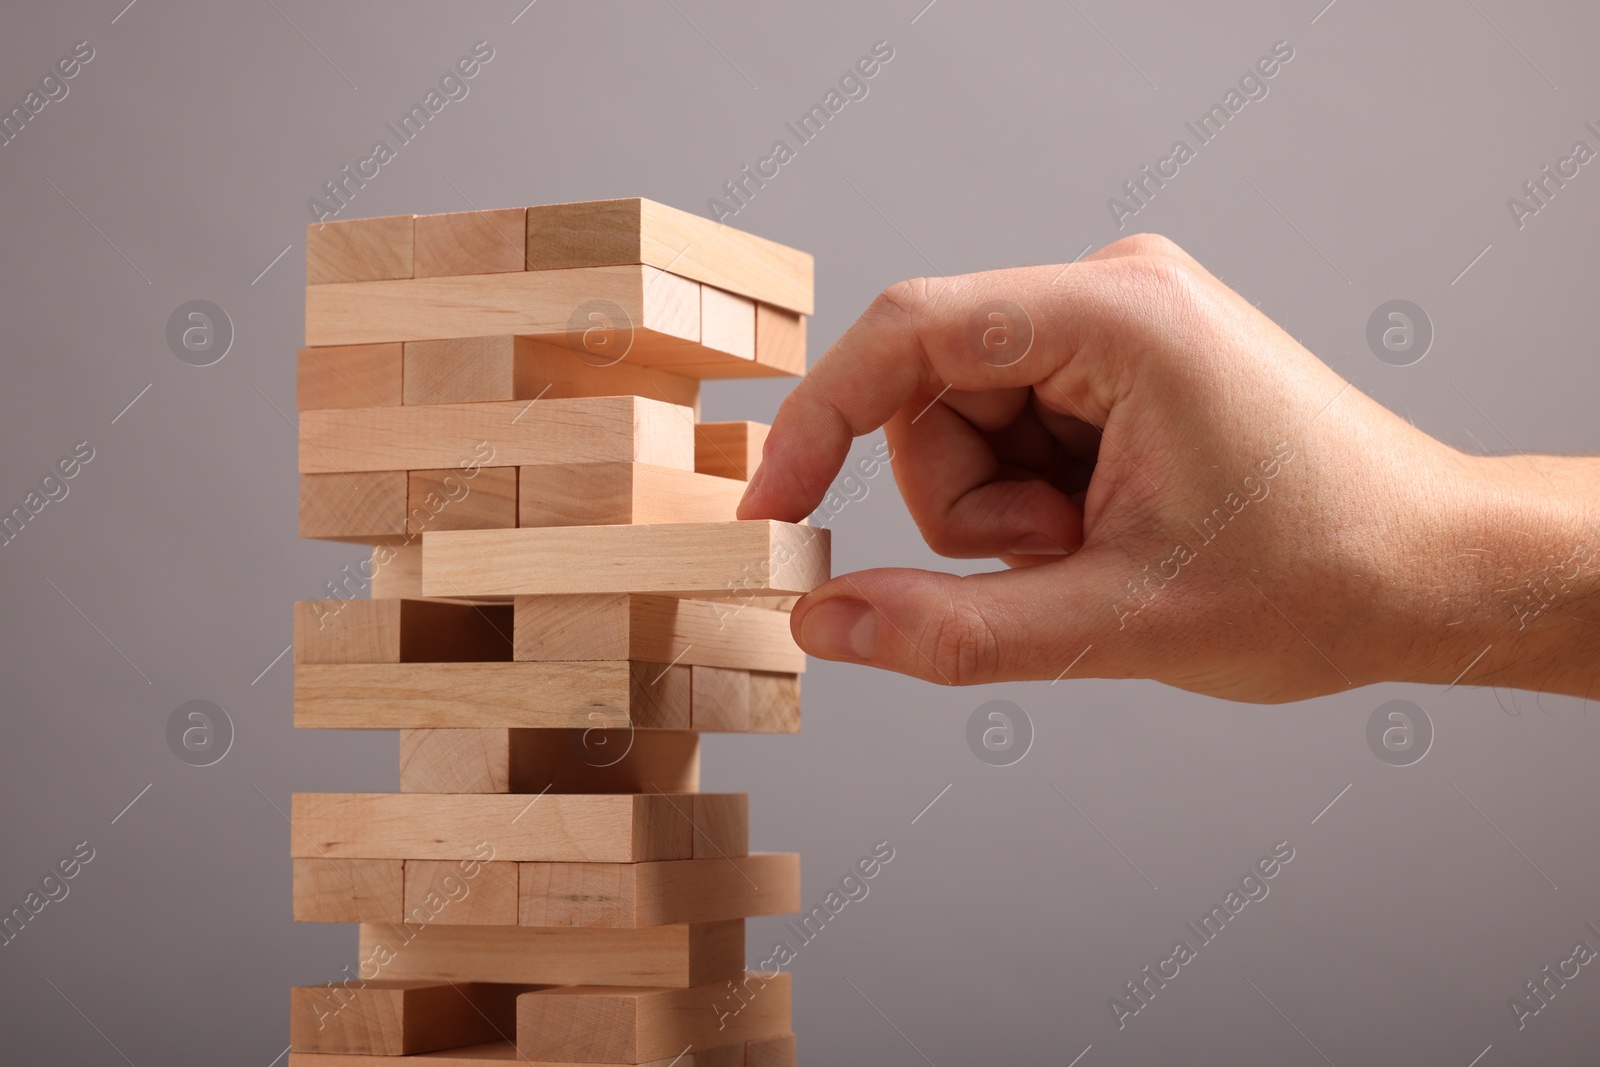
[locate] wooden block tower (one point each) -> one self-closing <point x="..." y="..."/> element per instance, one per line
<point x="505" y="406"/>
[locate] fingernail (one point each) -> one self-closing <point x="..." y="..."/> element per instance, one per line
<point x="841" y="629"/>
<point x="1036" y="545"/>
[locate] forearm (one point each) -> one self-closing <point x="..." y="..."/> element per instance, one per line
<point x="1516" y="589"/>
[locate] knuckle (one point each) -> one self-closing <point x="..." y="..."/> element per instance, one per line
<point x="1147" y="244"/>
<point x="961" y="645"/>
<point x="908" y="299"/>
<point x="1159" y="283"/>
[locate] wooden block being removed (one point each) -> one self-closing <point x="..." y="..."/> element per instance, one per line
<point x="348" y="891"/>
<point x="441" y="696"/>
<point x="633" y="312"/>
<point x="349" y="376"/>
<point x="612" y="494"/>
<point x="396" y="570"/>
<point x="449" y="893"/>
<point x="675" y="956"/>
<point x="599" y="1023"/>
<point x="594" y="760"/>
<point x="484" y="498"/>
<point x="470" y="242"/>
<point x="641" y="231"/>
<point x="758" y="557"/>
<point x="397" y="1018"/>
<point x="400" y="631"/>
<point x="650" y="894"/>
<point x="477" y="369"/>
<point x="366" y="507"/>
<point x="563" y="827"/>
<point x="581" y="626"/>
<point x="626" y="429"/>
<point x="358" y="250"/>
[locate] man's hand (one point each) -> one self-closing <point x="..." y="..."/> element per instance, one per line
<point x="1180" y="490"/>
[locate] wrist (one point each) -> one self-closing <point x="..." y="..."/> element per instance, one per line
<point x="1506" y="588"/>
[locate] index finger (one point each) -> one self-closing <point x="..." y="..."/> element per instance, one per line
<point x="996" y="330"/>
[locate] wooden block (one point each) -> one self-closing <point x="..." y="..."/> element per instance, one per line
<point x="758" y="557"/>
<point x="486" y="500"/>
<point x="774" y="703"/>
<point x="506" y="434"/>
<point x="442" y="696"/>
<point x="641" y="231"/>
<point x="729" y="449"/>
<point x="443" y="892"/>
<point x="470" y="242"/>
<point x="595" y="760"/>
<point x="721" y="824"/>
<point x="613" y="494"/>
<point x="500" y="1053"/>
<point x="771" y="1052"/>
<point x="396" y="570"/>
<point x="727" y="322"/>
<point x="348" y="891"/>
<point x="400" y="631"/>
<point x="640" y="312"/>
<point x="349" y="376"/>
<point x="719" y="699"/>
<point x="650" y="894"/>
<point x="366" y="507"/>
<point x="358" y="250"/>
<point x="582" y="626"/>
<point x="676" y="956"/>
<point x="598" y="1023"/>
<point x="397" y="1018"/>
<point x="565" y="827"/>
<point x="780" y="339"/>
<point x="477" y="369"/>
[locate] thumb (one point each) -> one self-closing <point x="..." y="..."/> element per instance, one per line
<point x="1029" y="623"/>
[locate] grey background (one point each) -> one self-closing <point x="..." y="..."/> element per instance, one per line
<point x="181" y="162"/>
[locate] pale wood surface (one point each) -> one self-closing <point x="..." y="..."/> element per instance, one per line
<point x="470" y="242"/>
<point x="758" y="557"/>
<point x="348" y="890"/>
<point x="394" y="696"/>
<point x="675" y="956"/>
<point x="624" y="828"/>
<point x="499" y="1053"/>
<point x="781" y="339"/>
<point x="581" y="626"/>
<point x="400" y="631"/>
<point x="611" y="494"/>
<point x="438" y="892"/>
<point x="451" y="500"/>
<point x="719" y="699"/>
<point x="594" y="760"/>
<point x="397" y="1017"/>
<point x="641" y="231"/>
<point x="662" y="310"/>
<point x="401" y="574"/>
<point x="649" y="894"/>
<point x="727" y="322"/>
<point x="358" y="250"/>
<point x="721" y="824"/>
<point x="589" y="1023"/>
<point x="476" y="369"/>
<point x="774" y="703"/>
<point x="362" y="506"/>
<point x="772" y="1052"/>
<point x="349" y="376"/>
<point x="434" y="436"/>
<point x="729" y="449"/>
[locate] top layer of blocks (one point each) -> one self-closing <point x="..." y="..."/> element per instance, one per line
<point x="693" y="295"/>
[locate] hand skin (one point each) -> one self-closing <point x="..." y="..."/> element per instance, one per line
<point x="1344" y="546"/>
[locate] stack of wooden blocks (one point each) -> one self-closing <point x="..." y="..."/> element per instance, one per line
<point x="505" y="406"/>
